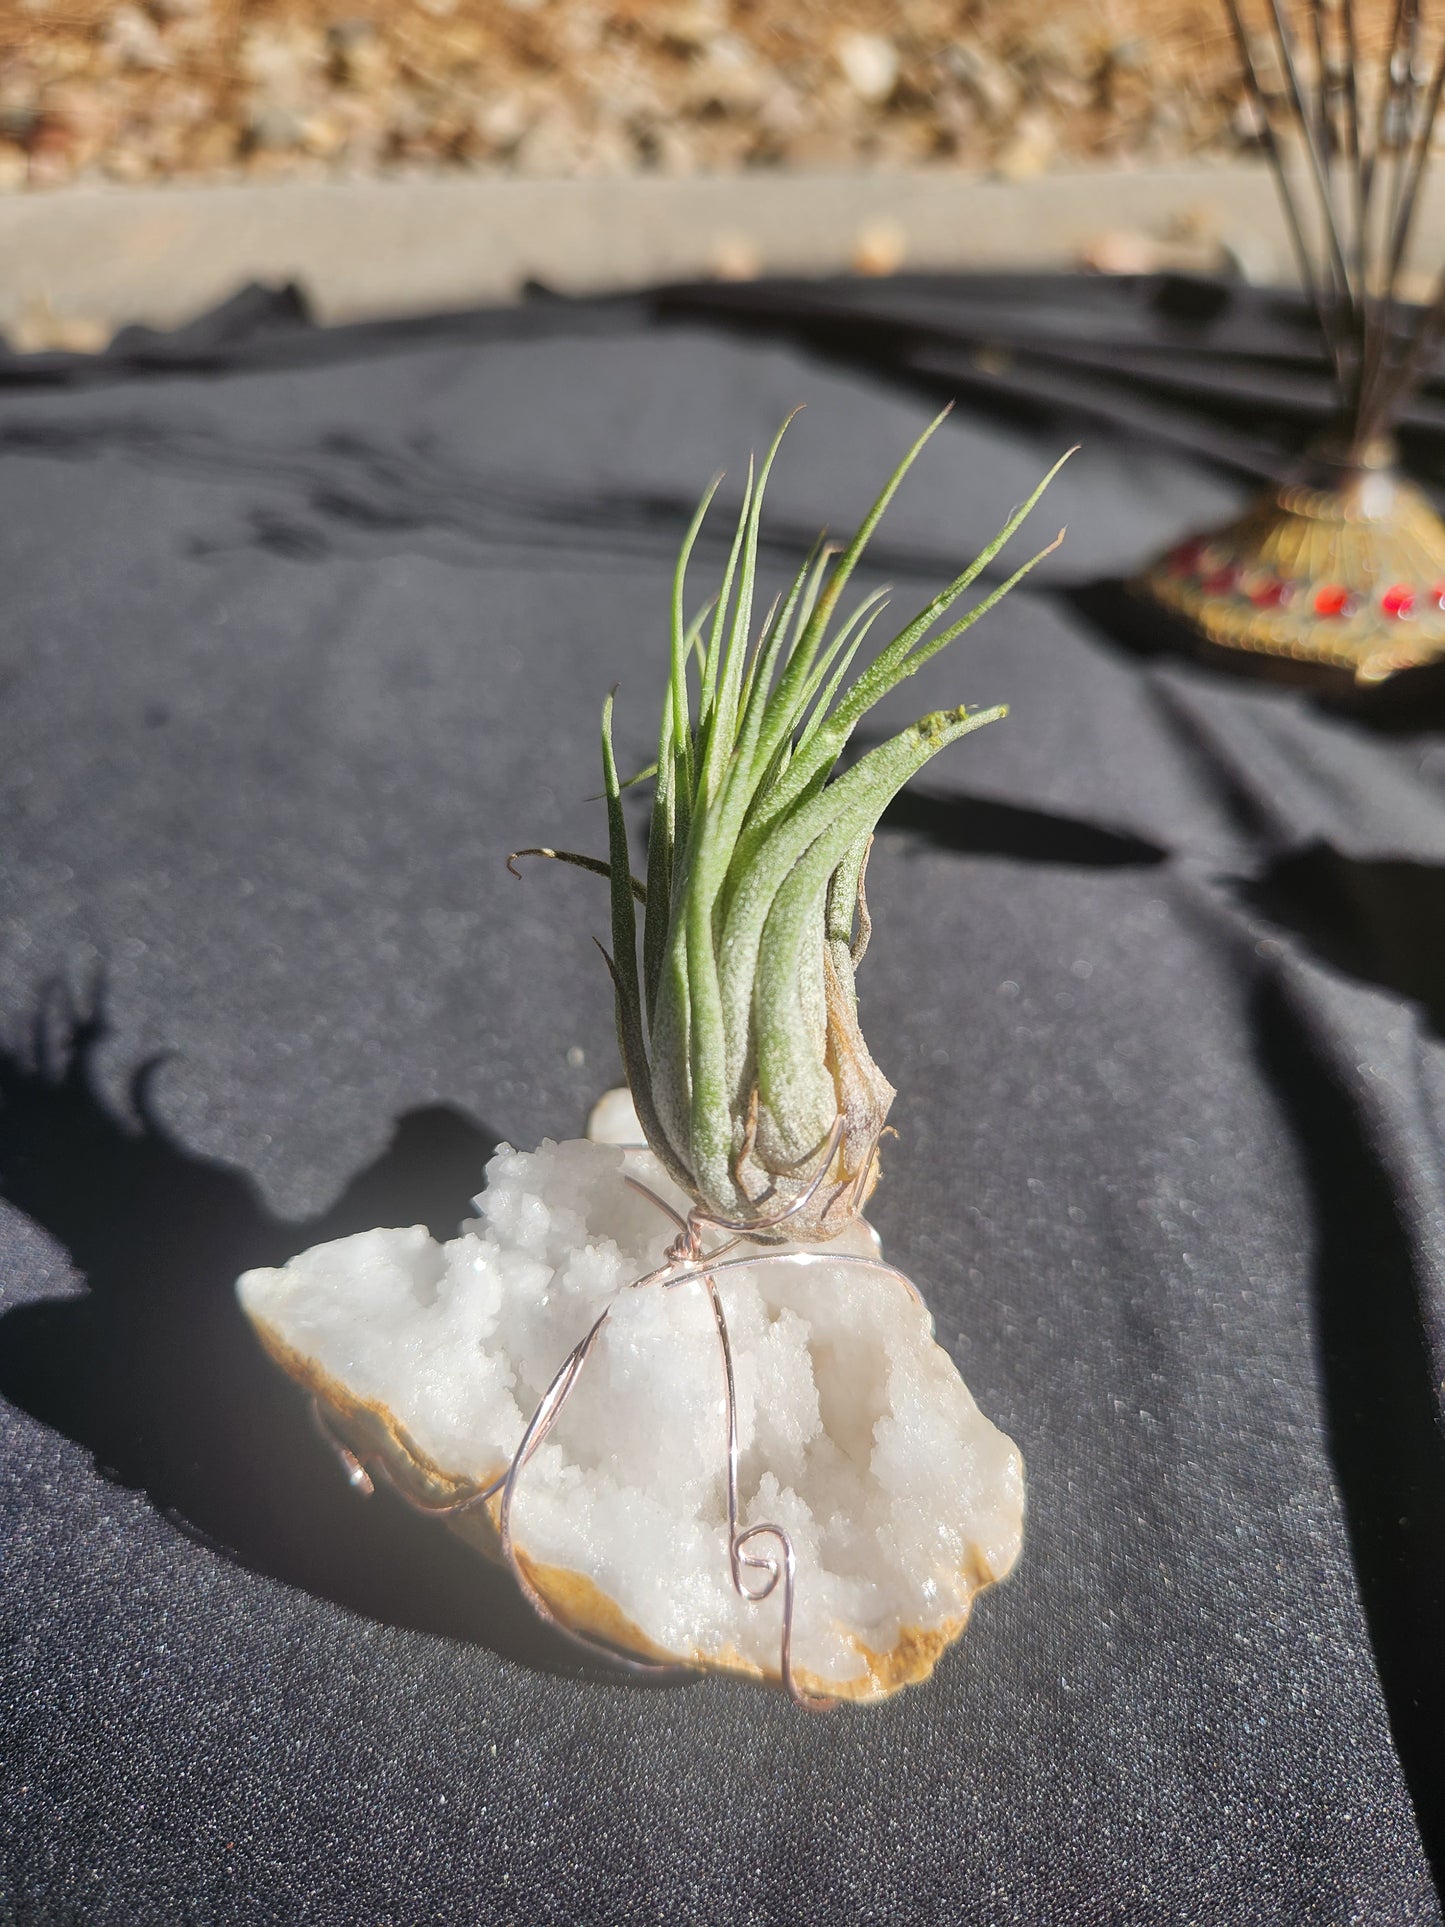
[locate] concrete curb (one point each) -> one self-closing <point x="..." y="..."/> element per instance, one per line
<point x="369" y="248"/>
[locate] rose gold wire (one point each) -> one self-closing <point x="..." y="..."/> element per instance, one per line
<point x="548" y="1411"/>
<point x="358" y="1473"/>
<point x="745" y="1227"/>
<point x="684" y="1262"/>
<point x="741" y="1561"/>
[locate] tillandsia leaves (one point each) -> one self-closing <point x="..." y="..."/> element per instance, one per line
<point x="739" y="1022"/>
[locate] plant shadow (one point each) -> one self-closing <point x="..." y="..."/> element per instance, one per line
<point x="1378" y="919"/>
<point x="986" y="826"/>
<point x="154" y="1370"/>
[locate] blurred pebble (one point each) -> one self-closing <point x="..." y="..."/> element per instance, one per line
<point x="37" y="329"/>
<point x="578" y="87"/>
<point x="989" y="80"/>
<point x="1120" y="251"/>
<point x="273" y="125"/>
<point x="734" y="257"/>
<point x="870" y="65"/>
<point x="359" y="57"/>
<point x="133" y="39"/>
<point x="880" y="247"/>
<point x="692" y="23"/>
<point x="1029" y="151"/>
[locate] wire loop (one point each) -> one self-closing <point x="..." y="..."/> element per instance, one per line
<point x="685" y="1262"/>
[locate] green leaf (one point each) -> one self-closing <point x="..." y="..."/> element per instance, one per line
<point x="592" y="863"/>
<point x="622" y="963"/>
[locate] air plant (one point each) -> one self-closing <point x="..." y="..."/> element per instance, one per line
<point x="739" y="1031"/>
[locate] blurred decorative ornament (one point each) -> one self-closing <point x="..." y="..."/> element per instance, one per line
<point x="1341" y="566"/>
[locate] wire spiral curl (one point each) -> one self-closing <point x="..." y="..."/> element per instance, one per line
<point x="756" y="1574"/>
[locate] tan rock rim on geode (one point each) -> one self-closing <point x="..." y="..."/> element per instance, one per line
<point x="372" y="1431"/>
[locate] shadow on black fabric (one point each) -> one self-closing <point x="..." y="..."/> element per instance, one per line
<point x="155" y="1371"/>
<point x="342" y="488"/>
<point x="1221" y="371"/>
<point x="342" y="492"/>
<point x="264" y="326"/>
<point x="1381" y="920"/>
<point x="1123" y="620"/>
<point x="1384" y="1438"/>
<point x="983" y="826"/>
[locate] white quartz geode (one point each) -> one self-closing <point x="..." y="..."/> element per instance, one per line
<point x="856" y="1433"/>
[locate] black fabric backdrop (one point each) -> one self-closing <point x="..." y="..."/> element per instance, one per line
<point x="303" y="630"/>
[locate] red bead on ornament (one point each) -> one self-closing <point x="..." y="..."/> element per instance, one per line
<point x="1333" y="601"/>
<point x="1185" y="560"/>
<point x="1397" y="600"/>
<point x="1272" y="595"/>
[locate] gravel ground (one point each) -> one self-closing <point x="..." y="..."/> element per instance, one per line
<point x="220" y="89"/>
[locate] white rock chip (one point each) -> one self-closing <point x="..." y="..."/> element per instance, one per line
<point x="857" y="1434"/>
<point x="870" y="65"/>
<point x="613" y="1119"/>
